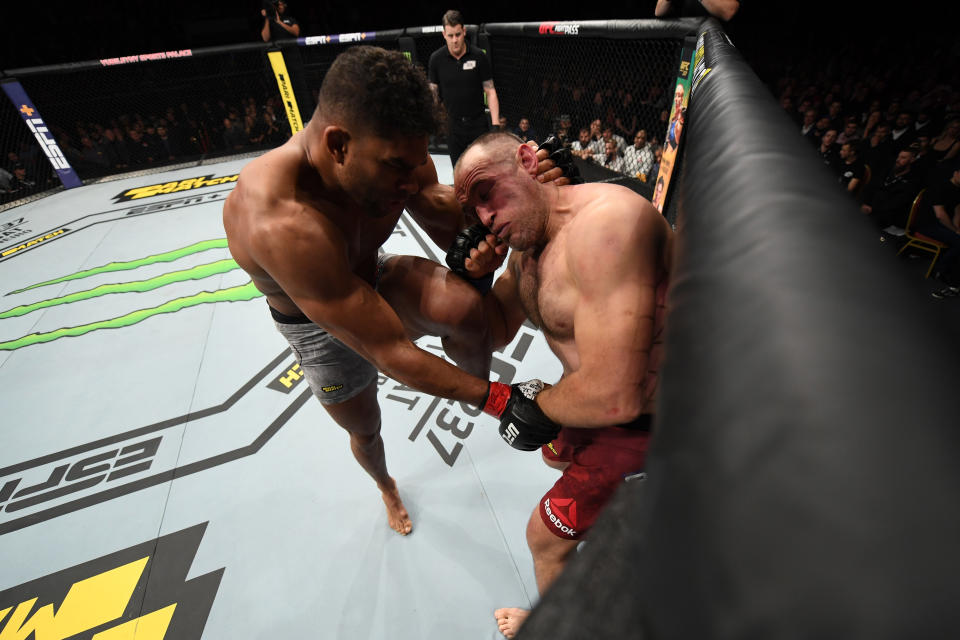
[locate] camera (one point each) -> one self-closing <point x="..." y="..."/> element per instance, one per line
<point x="270" y="6"/>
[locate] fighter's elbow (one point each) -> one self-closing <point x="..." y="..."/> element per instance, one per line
<point x="396" y="361"/>
<point x="622" y="405"/>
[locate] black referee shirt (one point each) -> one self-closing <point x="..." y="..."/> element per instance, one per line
<point x="460" y="82"/>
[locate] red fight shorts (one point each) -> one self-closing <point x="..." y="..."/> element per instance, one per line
<point x="600" y="460"/>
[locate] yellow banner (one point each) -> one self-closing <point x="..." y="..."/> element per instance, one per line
<point x="286" y="90"/>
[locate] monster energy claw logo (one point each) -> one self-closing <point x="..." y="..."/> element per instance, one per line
<point x="117" y="596"/>
<point x="231" y="294"/>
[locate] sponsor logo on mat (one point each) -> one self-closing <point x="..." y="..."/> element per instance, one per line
<point x="140" y="592"/>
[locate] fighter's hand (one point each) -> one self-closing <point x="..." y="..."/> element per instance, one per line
<point x="475" y="252"/>
<point x="486" y="257"/>
<point x="555" y="163"/>
<point x="474" y="255"/>
<point x="522" y="424"/>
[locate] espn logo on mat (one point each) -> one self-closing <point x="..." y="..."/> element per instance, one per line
<point x="42" y="484"/>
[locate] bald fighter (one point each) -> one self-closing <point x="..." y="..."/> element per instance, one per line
<point x="306" y="221"/>
<point x="590" y="267"/>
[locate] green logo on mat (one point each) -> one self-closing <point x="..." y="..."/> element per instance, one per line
<point x="231" y="294"/>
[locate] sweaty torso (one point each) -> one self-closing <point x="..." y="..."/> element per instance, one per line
<point x="550" y="297"/>
<point x="281" y="187"/>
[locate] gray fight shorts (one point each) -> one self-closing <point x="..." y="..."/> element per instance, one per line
<point x="334" y="371"/>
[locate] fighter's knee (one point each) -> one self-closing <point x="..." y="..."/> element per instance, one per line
<point x="544" y="544"/>
<point x="538" y="536"/>
<point x="368" y="440"/>
<point x="468" y="314"/>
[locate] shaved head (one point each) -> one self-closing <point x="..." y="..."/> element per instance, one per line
<point x="496" y="179"/>
<point x="495" y="148"/>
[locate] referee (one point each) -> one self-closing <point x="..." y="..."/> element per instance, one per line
<point x="461" y="75"/>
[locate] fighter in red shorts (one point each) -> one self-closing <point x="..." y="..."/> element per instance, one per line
<point x="590" y="267"/>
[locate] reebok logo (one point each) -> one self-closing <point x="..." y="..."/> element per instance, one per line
<point x="563" y="521"/>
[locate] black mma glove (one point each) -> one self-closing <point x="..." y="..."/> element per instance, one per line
<point x="562" y="158"/>
<point x="522" y="424"/>
<point x="459" y="251"/>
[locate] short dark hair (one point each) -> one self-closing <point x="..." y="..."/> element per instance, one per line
<point x="452" y="18"/>
<point x="371" y="87"/>
<point x="500" y="147"/>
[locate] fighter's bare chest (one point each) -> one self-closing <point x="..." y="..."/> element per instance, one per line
<point x="547" y="292"/>
<point x="365" y="238"/>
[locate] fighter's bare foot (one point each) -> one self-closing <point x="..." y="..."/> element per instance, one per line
<point x="510" y="620"/>
<point x="397" y="514"/>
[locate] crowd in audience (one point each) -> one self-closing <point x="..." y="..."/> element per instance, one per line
<point x="599" y="120"/>
<point x="134" y="141"/>
<point x="884" y="118"/>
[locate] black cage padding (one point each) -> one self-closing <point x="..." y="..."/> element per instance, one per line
<point x="803" y="480"/>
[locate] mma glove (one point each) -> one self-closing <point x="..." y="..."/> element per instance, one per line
<point x="562" y="158"/>
<point x="467" y="239"/>
<point x="522" y="424"/>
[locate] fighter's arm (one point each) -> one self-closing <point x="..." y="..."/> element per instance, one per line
<point x="435" y="208"/>
<point x="505" y="314"/>
<point x="308" y="260"/>
<point x="615" y="268"/>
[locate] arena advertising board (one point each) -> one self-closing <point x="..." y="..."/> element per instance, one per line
<point x="674" y="133"/>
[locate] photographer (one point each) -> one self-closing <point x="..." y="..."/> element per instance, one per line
<point x="277" y="25"/>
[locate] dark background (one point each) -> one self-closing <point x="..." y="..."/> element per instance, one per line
<point x="56" y="32"/>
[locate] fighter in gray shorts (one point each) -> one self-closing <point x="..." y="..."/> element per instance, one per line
<point x="334" y="371"/>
